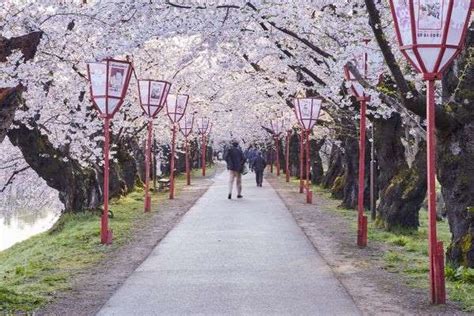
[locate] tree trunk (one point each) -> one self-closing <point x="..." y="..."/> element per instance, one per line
<point x="350" y="160"/>
<point x="456" y="158"/>
<point x="335" y="169"/>
<point x="402" y="189"/>
<point x="9" y="97"/>
<point x="78" y="187"/>
<point x="8" y="105"/>
<point x="317" y="174"/>
<point x="294" y="154"/>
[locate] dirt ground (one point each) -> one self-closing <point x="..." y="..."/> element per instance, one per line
<point x="101" y="281"/>
<point x="375" y="291"/>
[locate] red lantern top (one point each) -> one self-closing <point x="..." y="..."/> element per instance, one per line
<point x="109" y="81"/>
<point x="186" y="125"/>
<point x="277" y="126"/>
<point x="153" y="94"/>
<point x="307" y="111"/>
<point x="176" y="106"/>
<point x="203" y="125"/>
<point x="430" y="32"/>
<point x="361" y="63"/>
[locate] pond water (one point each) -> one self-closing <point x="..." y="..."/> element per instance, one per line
<point x="23" y="224"/>
<point x="28" y="206"/>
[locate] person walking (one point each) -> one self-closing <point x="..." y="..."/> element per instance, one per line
<point x="235" y="163"/>
<point x="250" y="155"/>
<point x="259" y="165"/>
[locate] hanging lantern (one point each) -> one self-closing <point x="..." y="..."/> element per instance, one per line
<point x="153" y="94"/>
<point x="277" y="126"/>
<point x="203" y="125"/>
<point x="360" y="61"/>
<point x="109" y="81"/>
<point x="186" y="125"/>
<point x="307" y="111"/>
<point x="430" y="32"/>
<point x="176" y="106"/>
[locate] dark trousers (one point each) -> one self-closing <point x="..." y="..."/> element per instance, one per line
<point x="259" y="176"/>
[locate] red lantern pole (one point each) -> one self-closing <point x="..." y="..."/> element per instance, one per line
<point x="188" y="169"/>
<point x="445" y="41"/>
<point x="361" y="217"/>
<point x="173" y="141"/>
<point x="105" y="233"/>
<point x="301" y="161"/>
<point x="435" y="247"/>
<point x="277" y="149"/>
<point x="147" y="166"/>
<point x="99" y="75"/>
<point x="287" y="157"/>
<point x="203" y="155"/>
<point x="309" y="192"/>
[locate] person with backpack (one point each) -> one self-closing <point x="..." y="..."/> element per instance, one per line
<point x="235" y="160"/>
<point x="259" y="165"/>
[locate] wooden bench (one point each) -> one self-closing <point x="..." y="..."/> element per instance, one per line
<point x="163" y="184"/>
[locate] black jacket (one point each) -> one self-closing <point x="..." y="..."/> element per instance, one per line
<point x="235" y="159"/>
<point x="259" y="163"/>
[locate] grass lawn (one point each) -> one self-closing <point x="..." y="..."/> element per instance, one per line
<point x="33" y="270"/>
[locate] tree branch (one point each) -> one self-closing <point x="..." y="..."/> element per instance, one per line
<point x="12" y="177"/>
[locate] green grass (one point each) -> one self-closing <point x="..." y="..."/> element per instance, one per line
<point x="32" y="271"/>
<point x="409" y="255"/>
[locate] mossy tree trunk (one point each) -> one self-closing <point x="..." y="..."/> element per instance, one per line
<point x="456" y="157"/>
<point x="335" y="170"/>
<point x="402" y="188"/>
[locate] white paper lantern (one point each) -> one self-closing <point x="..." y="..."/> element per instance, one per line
<point x="430" y="32"/>
<point x="153" y="94"/>
<point x="307" y="111"/>
<point x="109" y="82"/>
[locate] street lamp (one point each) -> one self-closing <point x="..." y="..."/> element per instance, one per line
<point x="431" y="34"/>
<point x="152" y="95"/>
<point x="307" y="113"/>
<point x="175" y="108"/>
<point x="358" y="92"/>
<point x="277" y="126"/>
<point x="203" y="127"/>
<point x="186" y="128"/>
<point x="109" y="81"/>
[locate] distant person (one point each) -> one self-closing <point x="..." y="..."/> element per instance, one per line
<point x="235" y="163"/>
<point x="259" y="165"/>
<point x="250" y="156"/>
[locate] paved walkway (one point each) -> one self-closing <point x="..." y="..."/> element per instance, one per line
<point x="233" y="257"/>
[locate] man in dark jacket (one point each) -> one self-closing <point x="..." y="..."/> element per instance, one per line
<point x="259" y="165"/>
<point x="235" y="163"/>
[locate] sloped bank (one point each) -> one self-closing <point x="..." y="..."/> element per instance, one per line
<point x="66" y="271"/>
